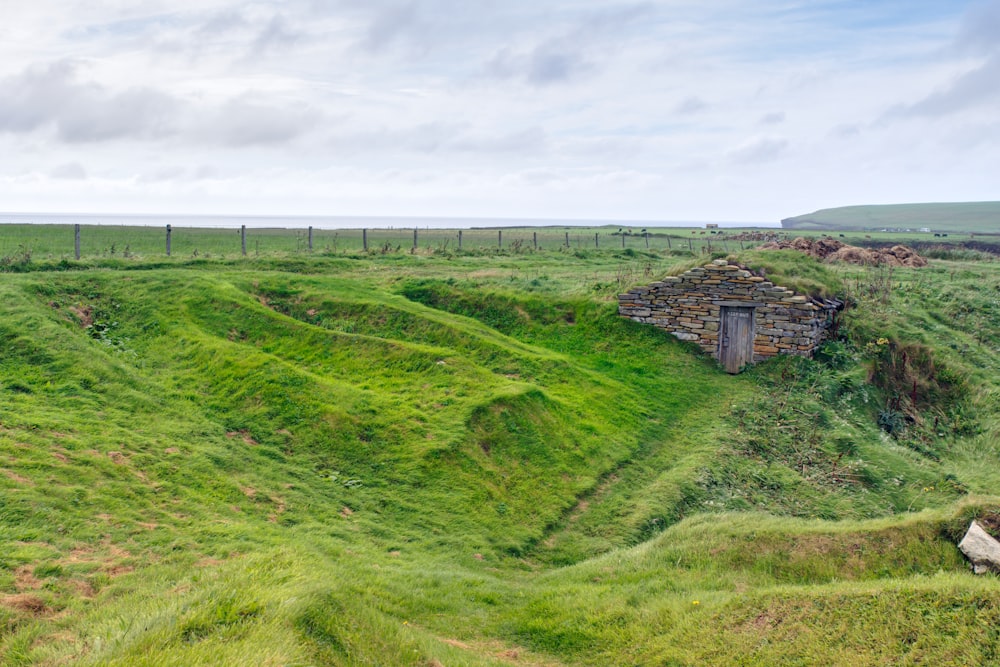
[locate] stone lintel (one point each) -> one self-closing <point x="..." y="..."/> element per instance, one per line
<point x="737" y="304"/>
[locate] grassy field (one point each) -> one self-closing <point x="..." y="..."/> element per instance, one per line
<point x="969" y="217"/>
<point x="467" y="458"/>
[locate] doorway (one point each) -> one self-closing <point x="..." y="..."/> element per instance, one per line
<point x="736" y="333"/>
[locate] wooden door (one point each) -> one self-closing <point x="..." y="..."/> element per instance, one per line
<point x="736" y="332"/>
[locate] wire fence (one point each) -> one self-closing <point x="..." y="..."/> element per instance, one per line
<point x="88" y="241"/>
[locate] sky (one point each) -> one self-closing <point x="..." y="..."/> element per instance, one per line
<point x="571" y="109"/>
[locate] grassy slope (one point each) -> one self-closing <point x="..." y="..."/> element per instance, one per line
<point x="951" y="217"/>
<point x="420" y="461"/>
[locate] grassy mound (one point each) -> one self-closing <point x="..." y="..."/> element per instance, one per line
<point x="476" y="461"/>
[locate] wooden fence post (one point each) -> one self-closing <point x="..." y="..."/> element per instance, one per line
<point x="364" y="239"/>
<point x="310" y="238"/>
<point x="597" y="244"/>
<point x="168" y="240"/>
<point x="414" y="238"/>
<point x="500" y="238"/>
<point x="623" y="239"/>
<point x="243" y="239"/>
<point x="690" y="245"/>
<point x="647" y="240"/>
<point x="534" y="236"/>
<point x="668" y="242"/>
<point x="76" y="241"/>
<point x="460" y="239"/>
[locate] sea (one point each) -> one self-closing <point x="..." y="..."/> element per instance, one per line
<point x="347" y="222"/>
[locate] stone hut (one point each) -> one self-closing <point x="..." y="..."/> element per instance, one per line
<point x="733" y="314"/>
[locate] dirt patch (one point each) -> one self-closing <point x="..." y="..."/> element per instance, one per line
<point x="249" y="491"/>
<point x="117" y="570"/>
<point x="279" y="508"/>
<point x="79" y="555"/>
<point x="578" y="511"/>
<point x="23" y="481"/>
<point x="832" y="250"/>
<point x="83" y="588"/>
<point x="346" y="512"/>
<point x="84" y="315"/>
<point x="505" y="653"/>
<point x="245" y="435"/>
<point x="108" y="560"/>
<point x="764" y="621"/>
<point x="27" y="603"/>
<point x="25" y="579"/>
<point x="118" y="458"/>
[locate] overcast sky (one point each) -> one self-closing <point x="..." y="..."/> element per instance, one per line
<point x="663" y="110"/>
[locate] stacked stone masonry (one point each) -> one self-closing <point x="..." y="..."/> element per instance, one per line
<point x="689" y="306"/>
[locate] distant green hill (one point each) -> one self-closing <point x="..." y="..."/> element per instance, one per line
<point x="981" y="217"/>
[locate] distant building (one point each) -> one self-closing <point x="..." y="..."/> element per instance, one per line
<point x="925" y="230"/>
<point x="711" y="225"/>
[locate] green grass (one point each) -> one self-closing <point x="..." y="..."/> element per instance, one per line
<point x="450" y="458"/>
<point x="976" y="217"/>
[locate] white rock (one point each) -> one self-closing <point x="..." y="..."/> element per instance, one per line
<point x="981" y="549"/>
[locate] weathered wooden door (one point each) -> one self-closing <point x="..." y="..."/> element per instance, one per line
<point x="736" y="332"/>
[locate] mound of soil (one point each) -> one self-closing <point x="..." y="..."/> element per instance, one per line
<point x="831" y="250"/>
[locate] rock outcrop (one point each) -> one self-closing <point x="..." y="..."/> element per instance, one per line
<point x="982" y="550"/>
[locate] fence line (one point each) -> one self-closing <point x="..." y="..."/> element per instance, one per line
<point x="128" y="241"/>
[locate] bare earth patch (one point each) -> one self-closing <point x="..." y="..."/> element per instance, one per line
<point x="17" y="478"/>
<point x="832" y="250"/>
<point x="83" y="314"/>
<point x="243" y="434"/>
<point x="25" y="579"/>
<point x="25" y="602"/>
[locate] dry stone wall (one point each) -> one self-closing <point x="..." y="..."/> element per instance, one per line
<point x="689" y="306"/>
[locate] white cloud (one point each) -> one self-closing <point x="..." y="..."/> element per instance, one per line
<point x="73" y="171"/>
<point x="81" y="111"/>
<point x="691" y="105"/>
<point x="759" y="149"/>
<point x="975" y="88"/>
<point x="433" y="107"/>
